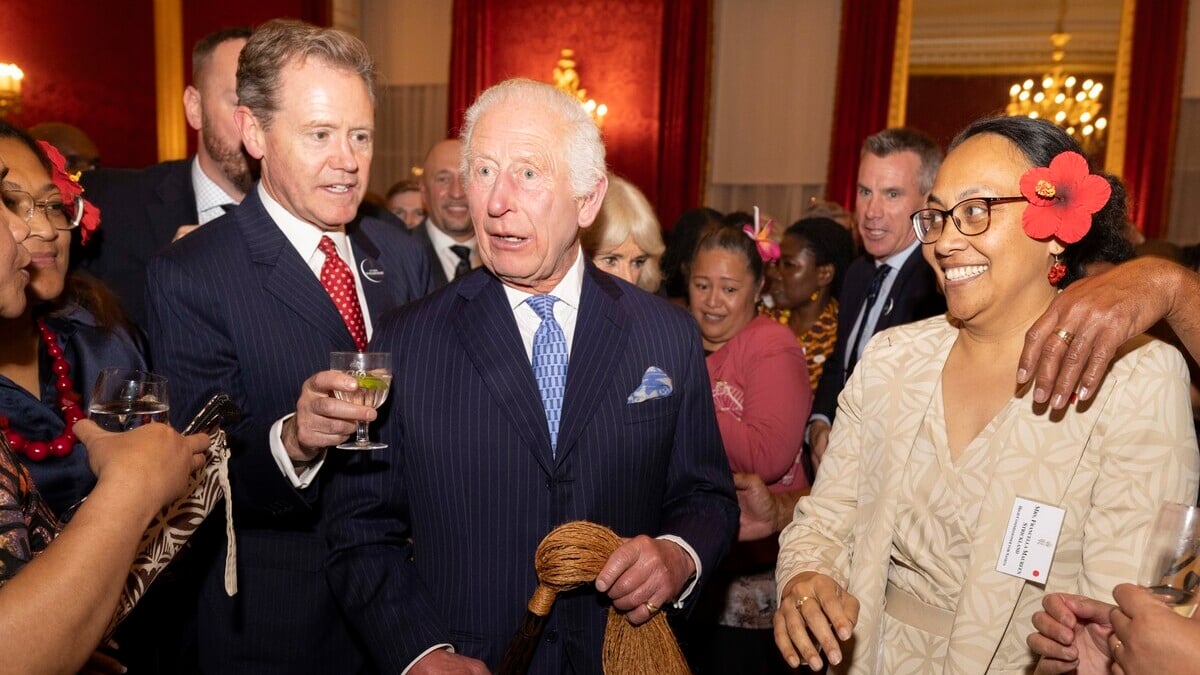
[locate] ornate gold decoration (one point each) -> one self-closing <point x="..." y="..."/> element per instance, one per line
<point x="1075" y="109"/>
<point x="567" y="79"/>
<point x="10" y="88"/>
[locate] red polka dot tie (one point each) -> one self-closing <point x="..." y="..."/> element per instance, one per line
<point x="338" y="281"/>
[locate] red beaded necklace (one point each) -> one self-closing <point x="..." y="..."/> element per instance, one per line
<point x="68" y="402"/>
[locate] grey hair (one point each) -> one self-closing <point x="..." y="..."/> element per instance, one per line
<point x="899" y="139"/>
<point x="581" y="144"/>
<point x="281" y="42"/>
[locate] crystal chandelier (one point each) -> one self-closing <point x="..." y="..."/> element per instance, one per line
<point x="566" y="78"/>
<point x="10" y="88"/>
<point x="1074" y="108"/>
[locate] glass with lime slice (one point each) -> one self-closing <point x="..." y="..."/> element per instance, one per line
<point x="373" y="371"/>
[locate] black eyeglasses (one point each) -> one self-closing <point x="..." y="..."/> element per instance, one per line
<point x="61" y="215"/>
<point x="970" y="216"/>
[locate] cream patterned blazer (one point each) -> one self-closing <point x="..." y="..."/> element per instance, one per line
<point x="1108" y="463"/>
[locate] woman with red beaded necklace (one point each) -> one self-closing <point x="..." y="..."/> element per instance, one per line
<point x="58" y="590"/>
<point x="52" y="353"/>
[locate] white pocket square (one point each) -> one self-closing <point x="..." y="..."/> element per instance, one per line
<point x="655" y="384"/>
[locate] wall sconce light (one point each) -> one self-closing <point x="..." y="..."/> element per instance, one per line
<point x="10" y="89"/>
<point x="567" y="79"/>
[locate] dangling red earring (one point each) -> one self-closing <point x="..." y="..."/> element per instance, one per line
<point x="1057" y="272"/>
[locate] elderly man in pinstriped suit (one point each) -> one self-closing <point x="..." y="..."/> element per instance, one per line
<point x="533" y="393"/>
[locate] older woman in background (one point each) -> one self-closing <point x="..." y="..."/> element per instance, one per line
<point x="762" y="396"/>
<point x="626" y="239"/>
<point x="805" y="283"/>
<point x="905" y="543"/>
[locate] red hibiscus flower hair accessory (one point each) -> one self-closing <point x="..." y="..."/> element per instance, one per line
<point x="768" y="250"/>
<point x="1062" y="198"/>
<point x="72" y="191"/>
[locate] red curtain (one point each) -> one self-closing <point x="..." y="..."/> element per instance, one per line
<point x="648" y="60"/>
<point x="865" y="54"/>
<point x="468" y="46"/>
<point x="683" y="112"/>
<point x="1156" y="73"/>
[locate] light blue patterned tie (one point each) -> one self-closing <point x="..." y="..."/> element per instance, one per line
<point x="549" y="363"/>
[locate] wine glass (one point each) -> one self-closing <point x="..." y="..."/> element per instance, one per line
<point x="373" y="370"/>
<point x="1171" y="568"/>
<point x="125" y="399"/>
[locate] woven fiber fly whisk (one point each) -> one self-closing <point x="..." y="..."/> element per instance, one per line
<point x="573" y="555"/>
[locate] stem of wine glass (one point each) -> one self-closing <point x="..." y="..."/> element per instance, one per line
<point x="362" y="433"/>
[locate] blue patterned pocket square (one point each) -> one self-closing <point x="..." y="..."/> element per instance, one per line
<point x="655" y="384"/>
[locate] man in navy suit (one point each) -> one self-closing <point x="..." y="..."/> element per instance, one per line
<point x="447" y="234"/>
<point x="251" y="305"/>
<point x="533" y="393"/>
<point x="145" y="210"/>
<point x="891" y="284"/>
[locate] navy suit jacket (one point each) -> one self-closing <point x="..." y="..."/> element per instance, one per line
<point x="421" y="235"/>
<point x="914" y="296"/>
<point x="234" y="308"/>
<point x="141" y="209"/>
<point x="469" y="475"/>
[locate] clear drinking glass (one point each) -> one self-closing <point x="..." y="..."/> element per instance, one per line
<point x="374" y="373"/>
<point x="1171" y="568"/>
<point x="125" y="399"/>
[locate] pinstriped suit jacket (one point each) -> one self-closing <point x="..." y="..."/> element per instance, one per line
<point x="470" y="478"/>
<point x="233" y="308"/>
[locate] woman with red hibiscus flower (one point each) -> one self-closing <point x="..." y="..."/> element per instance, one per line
<point x="51" y="355"/>
<point x="950" y="501"/>
<point x="58" y="590"/>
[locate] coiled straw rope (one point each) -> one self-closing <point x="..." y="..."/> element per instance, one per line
<point x="573" y="555"/>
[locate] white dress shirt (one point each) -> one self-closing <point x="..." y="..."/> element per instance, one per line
<point x="305" y="238"/>
<point x="210" y="198"/>
<point x="441" y="245"/>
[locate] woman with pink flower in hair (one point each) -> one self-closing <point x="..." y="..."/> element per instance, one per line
<point x="762" y="398"/>
<point x="950" y="501"/>
<point x="51" y="354"/>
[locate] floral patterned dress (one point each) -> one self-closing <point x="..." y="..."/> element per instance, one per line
<point x="817" y="342"/>
<point x="26" y="524"/>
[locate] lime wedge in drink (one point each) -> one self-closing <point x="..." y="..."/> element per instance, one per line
<point x="372" y="382"/>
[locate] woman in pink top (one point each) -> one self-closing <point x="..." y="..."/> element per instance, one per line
<point x="762" y="398"/>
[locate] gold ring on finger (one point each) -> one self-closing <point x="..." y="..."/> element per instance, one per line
<point x="801" y="601"/>
<point x="651" y="607"/>
<point x="1065" y="335"/>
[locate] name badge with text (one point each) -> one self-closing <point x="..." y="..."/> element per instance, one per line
<point x="1030" y="540"/>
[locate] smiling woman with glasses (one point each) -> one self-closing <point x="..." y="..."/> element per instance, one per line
<point x="925" y="536"/>
<point x="58" y="593"/>
<point x="69" y="330"/>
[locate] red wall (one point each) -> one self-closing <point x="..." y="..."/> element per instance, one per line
<point x="202" y="18"/>
<point x="91" y="64"/>
<point x="618" y="45"/>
